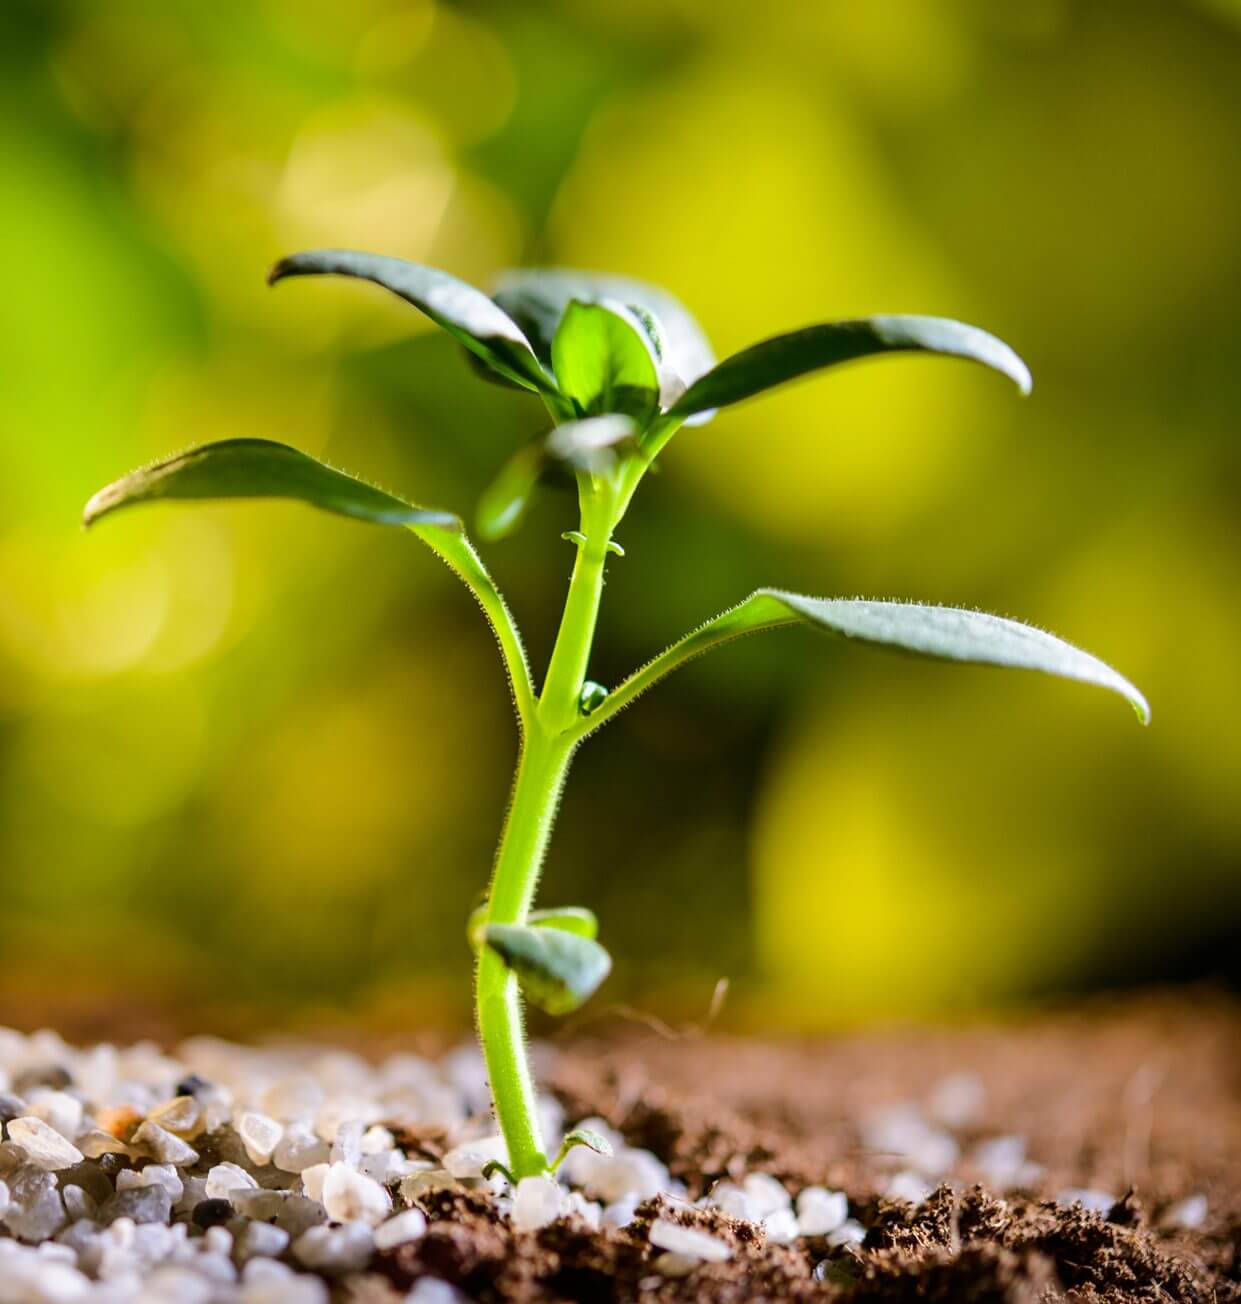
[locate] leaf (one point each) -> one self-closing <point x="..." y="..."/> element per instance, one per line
<point x="944" y="633"/>
<point x="604" y="360"/>
<point x="538" y="297"/>
<point x="785" y="357"/>
<point x="558" y="971"/>
<point x="582" y="1136"/>
<point x="464" y="312"/>
<point x="259" y="468"/>
<point x="569" y="919"/>
<point x="503" y="504"/>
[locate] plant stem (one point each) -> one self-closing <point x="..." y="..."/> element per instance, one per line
<point x="532" y="810"/>
<point x="548" y="745"/>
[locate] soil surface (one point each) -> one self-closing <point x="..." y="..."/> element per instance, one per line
<point x="1137" y="1100"/>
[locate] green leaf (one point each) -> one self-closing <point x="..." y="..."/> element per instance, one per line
<point x="503" y="504"/>
<point x="604" y="361"/>
<point x="569" y="919"/>
<point x="785" y="357"/>
<point x="538" y="297"/>
<point x="558" y="971"/>
<point x="259" y="468"/>
<point x="581" y="1136"/>
<point x="944" y="633"/>
<point x="464" y="312"/>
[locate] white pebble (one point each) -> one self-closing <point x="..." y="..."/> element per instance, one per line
<point x="907" y="1186"/>
<point x="620" y="1212"/>
<point x="44" y="1146"/>
<point x="335" y="1249"/>
<point x="313" y="1179"/>
<point x="820" y="1211"/>
<point x="182" y="1115"/>
<point x="96" y="1143"/>
<point x="733" y="1201"/>
<point x="766" y="1194"/>
<point x="4" y="1197"/>
<point x="299" y="1149"/>
<point x="957" y="1100"/>
<point x="260" y="1135"/>
<point x="850" y="1232"/>
<point x="902" y="1135"/>
<point x="1002" y="1164"/>
<point x="163" y="1146"/>
<point x="431" y="1290"/>
<point x="781" y="1226"/>
<point x="226" y="1177"/>
<point x="1188" y="1214"/>
<point x="670" y="1264"/>
<point x="349" y="1196"/>
<point x="58" y="1110"/>
<point x="590" y="1211"/>
<point x="689" y="1241"/>
<point x="536" y="1202"/>
<point x="1090" y="1200"/>
<point x="469" y="1159"/>
<point x="407" y="1226"/>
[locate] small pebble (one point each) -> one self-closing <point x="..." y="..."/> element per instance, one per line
<point x="1091" y="1200"/>
<point x="226" y="1177"/>
<point x="958" y="1100"/>
<point x="212" y="1212"/>
<point x="766" y="1194"/>
<point x="181" y="1115"/>
<point x="162" y="1146"/>
<point x="349" y="1196"/>
<point x="536" y="1203"/>
<point x="44" y="1146"/>
<point x="407" y="1226"/>
<point x="820" y="1211"/>
<point x="850" y="1232"/>
<point x="689" y="1241"/>
<point x="671" y="1264"/>
<point x="1188" y="1214"/>
<point x="781" y="1227"/>
<point x="260" y="1135"/>
<point x="468" y="1160"/>
<point x="335" y="1250"/>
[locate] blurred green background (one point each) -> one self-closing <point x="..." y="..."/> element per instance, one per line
<point x="254" y="759"/>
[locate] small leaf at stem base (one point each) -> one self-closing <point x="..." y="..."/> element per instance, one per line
<point x="582" y="1136"/>
<point x="556" y="970"/>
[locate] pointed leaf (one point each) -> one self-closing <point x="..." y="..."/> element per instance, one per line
<point x="569" y="919"/>
<point x="945" y="633"/>
<point x="605" y="361"/>
<point x="464" y="312"/>
<point x="503" y="504"/>
<point x="558" y="971"/>
<point x="538" y="297"/>
<point x="581" y="1136"/>
<point x="786" y="357"/>
<point x="259" y="468"/>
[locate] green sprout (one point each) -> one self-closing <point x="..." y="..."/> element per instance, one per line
<point x="621" y="367"/>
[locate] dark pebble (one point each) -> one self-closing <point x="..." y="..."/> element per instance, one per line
<point x="144" y="1204"/>
<point x="192" y="1085"/>
<point x="50" y="1075"/>
<point x="211" y="1213"/>
<point x="11" y="1107"/>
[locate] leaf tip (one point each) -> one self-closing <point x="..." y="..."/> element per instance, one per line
<point x="279" y="270"/>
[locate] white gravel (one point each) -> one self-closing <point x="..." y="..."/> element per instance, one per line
<point x="220" y="1174"/>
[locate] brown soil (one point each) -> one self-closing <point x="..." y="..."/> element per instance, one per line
<point x="1138" y="1099"/>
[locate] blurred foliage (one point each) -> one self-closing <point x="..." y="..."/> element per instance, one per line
<point x="251" y="755"/>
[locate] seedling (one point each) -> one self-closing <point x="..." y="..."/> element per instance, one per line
<point x="621" y="367"/>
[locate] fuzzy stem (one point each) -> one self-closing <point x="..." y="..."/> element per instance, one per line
<point x="532" y="811"/>
<point x="548" y="748"/>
